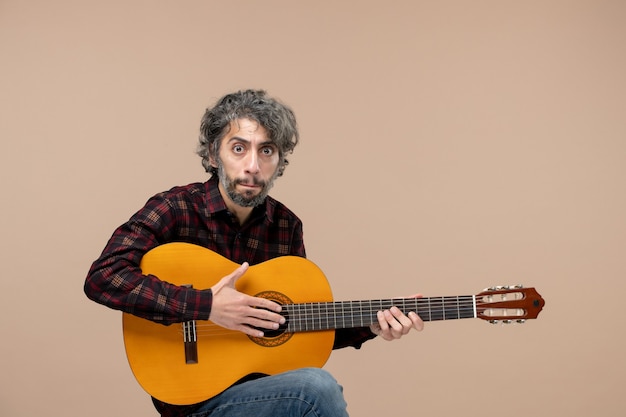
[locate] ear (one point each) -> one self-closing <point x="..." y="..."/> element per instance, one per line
<point x="213" y="150"/>
<point x="212" y="160"/>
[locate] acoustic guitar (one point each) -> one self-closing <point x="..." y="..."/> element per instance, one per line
<point x="190" y="362"/>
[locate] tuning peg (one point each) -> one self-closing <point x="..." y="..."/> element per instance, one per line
<point x="504" y="287"/>
<point x="507" y="321"/>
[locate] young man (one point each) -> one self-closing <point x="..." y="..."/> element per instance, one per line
<point x="244" y="141"/>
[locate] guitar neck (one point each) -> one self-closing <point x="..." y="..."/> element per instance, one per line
<point x="350" y="314"/>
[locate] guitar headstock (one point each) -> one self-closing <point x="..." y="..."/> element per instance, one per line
<point x="508" y="304"/>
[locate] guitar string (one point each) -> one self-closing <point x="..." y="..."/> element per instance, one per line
<point x="320" y="311"/>
<point x="308" y="314"/>
<point x="208" y="328"/>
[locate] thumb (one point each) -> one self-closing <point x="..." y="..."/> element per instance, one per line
<point x="230" y="279"/>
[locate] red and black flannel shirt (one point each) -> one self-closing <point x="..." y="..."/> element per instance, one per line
<point x="195" y="213"/>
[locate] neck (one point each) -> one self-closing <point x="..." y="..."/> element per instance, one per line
<point x="350" y="314"/>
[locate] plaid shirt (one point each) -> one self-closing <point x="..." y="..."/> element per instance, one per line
<point x="195" y="213"/>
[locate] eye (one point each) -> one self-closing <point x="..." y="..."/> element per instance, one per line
<point x="238" y="149"/>
<point x="267" y="151"/>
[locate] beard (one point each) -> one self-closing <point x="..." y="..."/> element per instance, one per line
<point x="246" y="199"/>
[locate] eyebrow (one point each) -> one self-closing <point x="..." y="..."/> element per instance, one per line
<point x="240" y="139"/>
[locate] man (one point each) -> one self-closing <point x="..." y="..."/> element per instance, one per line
<point x="244" y="141"/>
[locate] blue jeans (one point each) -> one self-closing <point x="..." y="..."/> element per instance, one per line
<point x="307" y="392"/>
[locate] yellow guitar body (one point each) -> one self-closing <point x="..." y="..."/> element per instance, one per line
<point x="156" y="353"/>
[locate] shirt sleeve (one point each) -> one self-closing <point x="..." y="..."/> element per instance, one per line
<point x="115" y="278"/>
<point x="352" y="337"/>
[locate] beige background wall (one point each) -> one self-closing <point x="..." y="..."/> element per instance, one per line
<point x="446" y="146"/>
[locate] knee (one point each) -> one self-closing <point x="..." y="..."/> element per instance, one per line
<point x="321" y="384"/>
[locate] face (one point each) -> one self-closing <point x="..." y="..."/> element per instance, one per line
<point x="247" y="164"/>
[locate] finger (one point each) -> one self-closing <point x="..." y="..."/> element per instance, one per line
<point x="390" y="329"/>
<point x="254" y="326"/>
<point x="400" y="323"/>
<point x="262" y="320"/>
<point x="383" y="325"/>
<point x="232" y="278"/>
<point x="400" y="316"/>
<point x="250" y="331"/>
<point x="261" y="324"/>
<point x="265" y="304"/>
<point x="268" y="312"/>
<point x="418" y="323"/>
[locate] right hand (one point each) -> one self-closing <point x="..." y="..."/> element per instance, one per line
<point x="238" y="311"/>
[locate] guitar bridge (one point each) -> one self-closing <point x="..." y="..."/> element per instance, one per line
<point x="190" y="339"/>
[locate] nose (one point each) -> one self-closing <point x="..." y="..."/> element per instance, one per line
<point x="252" y="163"/>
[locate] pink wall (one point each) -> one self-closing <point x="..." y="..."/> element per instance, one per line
<point x="446" y="147"/>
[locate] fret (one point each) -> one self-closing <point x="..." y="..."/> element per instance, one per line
<point x="435" y="309"/>
<point x="474" y="312"/>
<point x="350" y="305"/>
<point x="467" y="307"/>
<point x="293" y="315"/>
<point x="302" y="317"/>
<point x="320" y="317"/>
<point x="289" y="312"/>
<point x="449" y="308"/>
<point x="361" y="321"/>
<point x="308" y="316"/>
<point x="352" y="313"/>
<point x="324" y="317"/>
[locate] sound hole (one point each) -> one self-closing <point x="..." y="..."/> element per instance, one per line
<point x="279" y="336"/>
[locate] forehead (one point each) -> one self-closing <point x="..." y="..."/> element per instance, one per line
<point x="247" y="129"/>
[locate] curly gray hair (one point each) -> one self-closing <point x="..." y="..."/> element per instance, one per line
<point x="278" y="119"/>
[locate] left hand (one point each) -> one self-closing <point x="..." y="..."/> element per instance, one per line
<point x="393" y="323"/>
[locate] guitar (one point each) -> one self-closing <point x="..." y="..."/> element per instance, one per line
<point x="189" y="362"/>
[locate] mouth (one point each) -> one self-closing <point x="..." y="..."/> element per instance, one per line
<point x="250" y="189"/>
<point x="251" y="186"/>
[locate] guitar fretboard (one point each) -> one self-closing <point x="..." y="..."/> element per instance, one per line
<point x="349" y="314"/>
